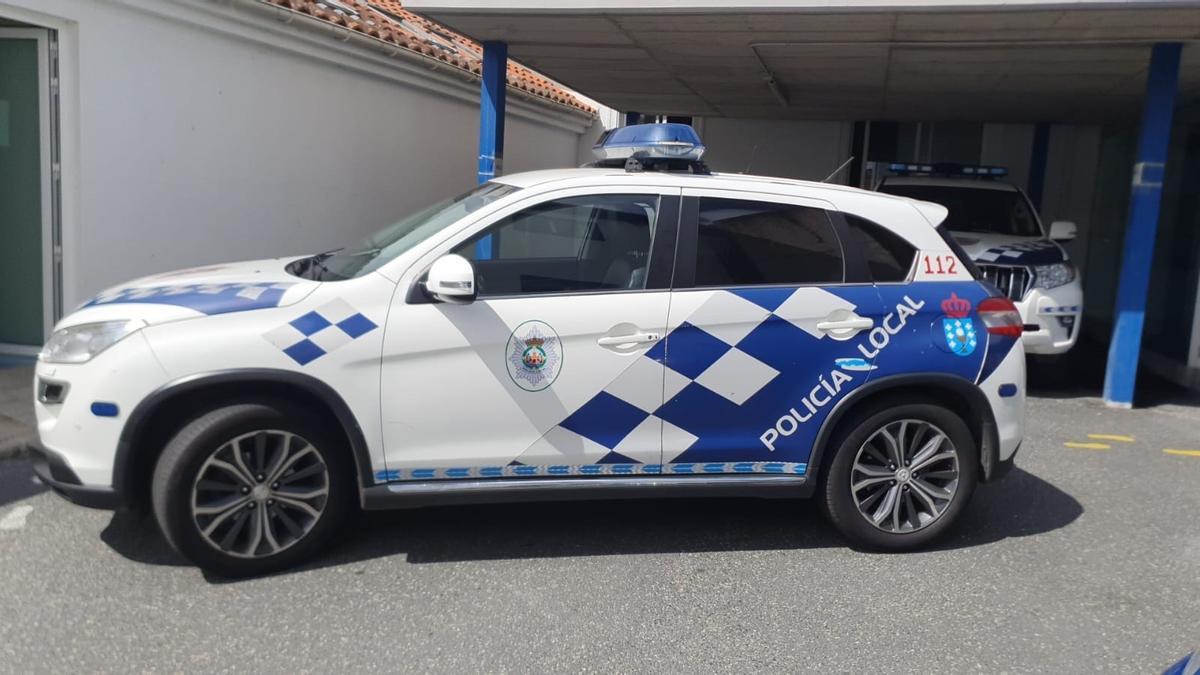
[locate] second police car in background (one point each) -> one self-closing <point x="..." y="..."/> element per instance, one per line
<point x="638" y="328"/>
<point x="998" y="227"/>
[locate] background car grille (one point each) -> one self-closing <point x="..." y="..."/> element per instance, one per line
<point x="1011" y="280"/>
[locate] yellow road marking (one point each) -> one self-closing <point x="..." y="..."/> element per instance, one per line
<point x="1111" y="437"/>
<point x="1185" y="453"/>
<point x="1087" y="446"/>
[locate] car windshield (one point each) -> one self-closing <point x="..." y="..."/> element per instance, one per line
<point x="976" y="209"/>
<point x="375" y="251"/>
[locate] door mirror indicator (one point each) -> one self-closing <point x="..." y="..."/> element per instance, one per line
<point x="1063" y="230"/>
<point x="451" y="279"/>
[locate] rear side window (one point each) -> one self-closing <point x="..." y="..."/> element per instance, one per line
<point x="888" y="255"/>
<point x="744" y="242"/>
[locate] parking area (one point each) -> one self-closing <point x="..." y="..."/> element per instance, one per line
<point x="1085" y="557"/>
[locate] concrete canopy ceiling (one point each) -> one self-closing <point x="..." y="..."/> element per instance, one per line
<point x="897" y="60"/>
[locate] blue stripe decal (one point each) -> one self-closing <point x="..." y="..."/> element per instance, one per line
<point x="204" y="298"/>
<point x="526" y="470"/>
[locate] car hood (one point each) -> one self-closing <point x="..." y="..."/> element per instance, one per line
<point x="199" y="291"/>
<point x="1001" y="249"/>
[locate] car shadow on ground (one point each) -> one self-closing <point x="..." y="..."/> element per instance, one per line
<point x="1022" y="505"/>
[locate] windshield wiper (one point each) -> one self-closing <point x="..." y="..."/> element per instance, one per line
<point x="316" y="263"/>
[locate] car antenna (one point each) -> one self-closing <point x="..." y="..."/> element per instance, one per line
<point x="839" y="169"/>
<point x="753" y="152"/>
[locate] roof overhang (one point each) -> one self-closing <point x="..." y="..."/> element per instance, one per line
<point x="1016" y="60"/>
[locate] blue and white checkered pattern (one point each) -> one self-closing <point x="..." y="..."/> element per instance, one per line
<point x="624" y="469"/>
<point x="204" y="298"/>
<point x="316" y="333"/>
<point x="709" y="357"/>
<point x="1037" y="252"/>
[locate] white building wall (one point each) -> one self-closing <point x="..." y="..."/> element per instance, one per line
<point x="1008" y="145"/>
<point x="197" y="132"/>
<point x="809" y="150"/>
<point x="1071" y="163"/>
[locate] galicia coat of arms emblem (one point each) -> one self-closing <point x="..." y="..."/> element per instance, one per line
<point x="534" y="355"/>
<point x="958" y="327"/>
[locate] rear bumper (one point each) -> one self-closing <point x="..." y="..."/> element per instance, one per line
<point x="57" y="474"/>
<point x="1002" y="467"/>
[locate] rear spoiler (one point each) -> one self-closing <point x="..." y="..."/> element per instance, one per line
<point x="934" y="213"/>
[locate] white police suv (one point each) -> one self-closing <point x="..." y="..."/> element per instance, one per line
<point x="638" y="328"/>
<point x="998" y="227"/>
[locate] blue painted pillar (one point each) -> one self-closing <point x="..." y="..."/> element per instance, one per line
<point x="1037" y="163"/>
<point x="492" y="89"/>
<point x="1144" y="201"/>
<point x="491" y="109"/>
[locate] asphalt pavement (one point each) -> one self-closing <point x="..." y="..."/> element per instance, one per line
<point x="1082" y="559"/>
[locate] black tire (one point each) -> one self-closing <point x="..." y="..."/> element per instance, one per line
<point x="176" y="474"/>
<point x="837" y="498"/>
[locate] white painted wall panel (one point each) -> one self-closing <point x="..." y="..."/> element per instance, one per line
<point x="199" y="141"/>
<point x="808" y="150"/>
<point x="1071" y="165"/>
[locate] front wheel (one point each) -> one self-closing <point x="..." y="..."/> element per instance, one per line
<point x="250" y="489"/>
<point x="901" y="475"/>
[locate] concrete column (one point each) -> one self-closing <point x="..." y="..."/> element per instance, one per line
<point x="1145" y="199"/>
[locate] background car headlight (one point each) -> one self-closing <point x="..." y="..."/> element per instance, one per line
<point x="1053" y="276"/>
<point x="78" y="344"/>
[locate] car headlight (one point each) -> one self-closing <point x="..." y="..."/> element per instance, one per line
<point x="1053" y="276"/>
<point x="79" y="344"/>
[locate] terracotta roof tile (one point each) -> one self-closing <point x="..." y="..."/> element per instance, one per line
<point x="388" y="21"/>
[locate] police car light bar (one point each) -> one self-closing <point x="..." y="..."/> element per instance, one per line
<point x="650" y="142"/>
<point x="946" y="169"/>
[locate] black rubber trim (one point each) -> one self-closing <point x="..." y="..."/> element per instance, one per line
<point x="1002" y="467"/>
<point x="142" y="414"/>
<point x="412" y="494"/>
<point x="53" y="470"/>
<point x="685" y="250"/>
<point x="662" y="252"/>
<point x="974" y="396"/>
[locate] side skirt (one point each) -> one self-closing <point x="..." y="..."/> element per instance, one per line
<point x="411" y="494"/>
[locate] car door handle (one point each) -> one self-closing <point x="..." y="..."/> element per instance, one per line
<point x="627" y="340"/>
<point x="853" y="323"/>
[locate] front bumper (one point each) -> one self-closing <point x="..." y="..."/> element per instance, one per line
<point x="82" y="408"/>
<point x="1057" y="313"/>
<point x="54" y="471"/>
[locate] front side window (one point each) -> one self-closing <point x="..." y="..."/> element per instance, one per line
<point x="574" y="244"/>
<point x="743" y="242"/>
<point x="385" y="245"/>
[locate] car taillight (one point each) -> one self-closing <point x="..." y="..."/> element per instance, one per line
<point x="1000" y="317"/>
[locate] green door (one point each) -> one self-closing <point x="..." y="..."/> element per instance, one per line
<point x="21" y="292"/>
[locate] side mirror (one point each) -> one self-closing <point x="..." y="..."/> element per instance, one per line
<point x="1062" y="230"/>
<point x="451" y="279"/>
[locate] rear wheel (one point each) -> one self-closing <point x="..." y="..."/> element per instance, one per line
<point x="250" y="489"/>
<point x="901" y="476"/>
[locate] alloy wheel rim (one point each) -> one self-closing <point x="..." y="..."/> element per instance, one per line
<point x="260" y="493"/>
<point x="905" y="476"/>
